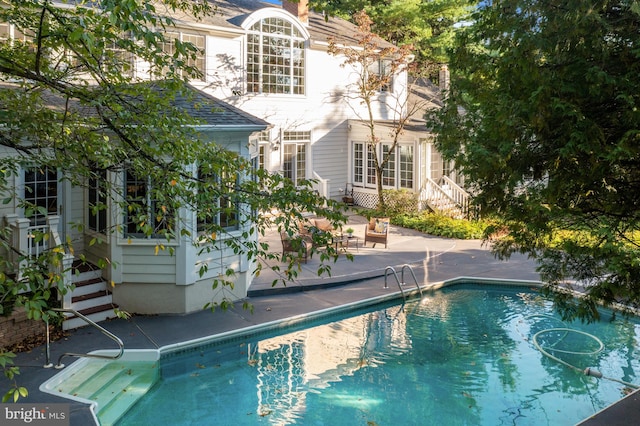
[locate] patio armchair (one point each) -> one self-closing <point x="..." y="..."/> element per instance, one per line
<point x="295" y="244"/>
<point x="377" y="231"/>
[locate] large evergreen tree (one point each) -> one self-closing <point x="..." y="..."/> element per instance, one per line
<point x="543" y="117"/>
<point x="428" y="25"/>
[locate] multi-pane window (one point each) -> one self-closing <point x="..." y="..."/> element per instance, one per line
<point x="197" y="61"/>
<point x="358" y="162"/>
<point x="389" y="169"/>
<point x="380" y="71"/>
<point x="198" y="41"/>
<point x="97" y="214"/>
<point x="262" y="149"/>
<point x="275" y="58"/>
<point x="11" y="32"/>
<point x="40" y="193"/>
<point x="143" y="211"/>
<point x="263" y="143"/>
<point x="118" y="58"/>
<point x="222" y="210"/>
<point x="406" y="166"/>
<point x="371" y="165"/>
<point x="295" y="146"/>
<point x="397" y="172"/>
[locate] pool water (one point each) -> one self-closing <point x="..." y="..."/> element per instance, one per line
<point x="460" y="356"/>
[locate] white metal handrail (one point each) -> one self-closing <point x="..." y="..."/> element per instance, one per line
<point x="103" y="330"/>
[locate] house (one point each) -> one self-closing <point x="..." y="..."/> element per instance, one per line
<point x="145" y="279"/>
<point x="290" y="80"/>
<point x="285" y="103"/>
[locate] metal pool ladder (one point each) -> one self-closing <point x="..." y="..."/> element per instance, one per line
<point x="102" y="330"/>
<point x="400" y="280"/>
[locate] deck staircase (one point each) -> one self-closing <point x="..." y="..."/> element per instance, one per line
<point x="445" y="197"/>
<point x="91" y="296"/>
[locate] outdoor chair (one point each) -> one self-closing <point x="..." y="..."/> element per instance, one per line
<point x="348" y="195"/>
<point x="296" y="244"/>
<point x="377" y="231"/>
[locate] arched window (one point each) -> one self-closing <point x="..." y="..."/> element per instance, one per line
<point x="275" y="58"/>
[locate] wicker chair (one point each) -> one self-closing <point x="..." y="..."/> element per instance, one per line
<point x="377" y="231"/>
<point x="295" y="244"/>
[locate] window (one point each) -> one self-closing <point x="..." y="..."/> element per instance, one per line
<point x="224" y="210"/>
<point x="40" y="193"/>
<point x="389" y="170"/>
<point x="143" y="211"/>
<point x="380" y="70"/>
<point x="97" y="214"/>
<point x="275" y="58"/>
<point x="263" y="141"/>
<point x="397" y="173"/>
<point x="358" y="162"/>
<point x="371" y="165"/>
<point x="294" y="164"/>
<point x="118" y="58"/>
<point x="198" y="41"/>
<point x="11" y="32"/>
<point x="406" y="166"/>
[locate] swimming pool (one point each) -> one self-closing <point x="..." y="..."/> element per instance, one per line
<point x="464" y="354"/>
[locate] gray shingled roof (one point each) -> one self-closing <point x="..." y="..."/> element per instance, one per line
<point x="211" y="111"/>
<point x="206" y="109"/>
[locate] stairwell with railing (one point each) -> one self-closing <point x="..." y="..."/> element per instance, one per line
<point x="88" y="293"/>
<point x="445" y="197"/>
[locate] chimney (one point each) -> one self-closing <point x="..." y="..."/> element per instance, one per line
<point x="443" y="78"/>
<point x="299" y="9"/>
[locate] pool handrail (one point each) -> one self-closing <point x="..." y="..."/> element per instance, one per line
<point x="81" y="355"/>
<point x="401" y="281"/>
<point x="415" y="280"/>
<point x="395" y="274"/>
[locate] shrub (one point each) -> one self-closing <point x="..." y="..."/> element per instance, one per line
<point x="442" y="226"/>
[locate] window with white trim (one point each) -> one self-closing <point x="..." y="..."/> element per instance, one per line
<point x="397" y="173"/>
<point x="372" y="176"/>
<point x="223" y="210"/>
<point x="40" y="193"/>
<point x="295" y="151"/>
<point x="380" y="70"/>
<point x="275" y="58"/>
<point x="389" y="169"/>
<point x="97" y="212"/>
<point x="406" y="166"/>
<point x="198" y="41"/>
<point x="142" y="211"/>
<point x="358" y="162"/>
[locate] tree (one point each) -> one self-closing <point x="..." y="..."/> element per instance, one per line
<point x="375" y="64"/>
<point x="429" y="26"/>
<point x="550" y="139"/>
<point x="69" y="102"/>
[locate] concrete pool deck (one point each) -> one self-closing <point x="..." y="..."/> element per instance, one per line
<point x="433" y="260"/>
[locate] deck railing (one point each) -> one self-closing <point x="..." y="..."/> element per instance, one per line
<point x="447" y="197"/>
<point x="30" y="241"/>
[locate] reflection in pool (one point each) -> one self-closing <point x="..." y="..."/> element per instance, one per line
<point x="461" y="355"/>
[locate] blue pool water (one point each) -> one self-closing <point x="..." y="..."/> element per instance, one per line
<point x="460" y="356"/>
